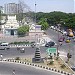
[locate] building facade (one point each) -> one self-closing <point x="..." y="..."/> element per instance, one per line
<point x="11" y="26"/>
<point x="12" y="8"/>
<point x="1" y="9"/>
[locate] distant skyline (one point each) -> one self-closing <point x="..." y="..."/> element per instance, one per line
<point x="46" y="5"/>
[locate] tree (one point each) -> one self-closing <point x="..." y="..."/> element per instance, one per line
<point x="44" y="23"/>
<point x="23" y="7"/>
<point x="23" y="30"/>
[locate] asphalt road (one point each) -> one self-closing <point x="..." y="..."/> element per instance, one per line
<point x="66" y="47"/>
<point x="13" y="52"/>
<point x="7" y="68"/>
<point x="29" y="52"/>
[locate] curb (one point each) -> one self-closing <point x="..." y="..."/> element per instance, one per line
<point x="40" y="66"/>
<point x="66" y="65"/>
<point x="27" y="45"/>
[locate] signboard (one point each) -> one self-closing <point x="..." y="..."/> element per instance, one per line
<point x="51" y="50"/>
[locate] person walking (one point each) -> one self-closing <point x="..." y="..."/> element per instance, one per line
<point x="1" y="57"/>
<point x="13" y="73"/>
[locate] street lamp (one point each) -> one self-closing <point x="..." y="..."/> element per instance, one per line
<point x="35" y="12"/>
<point x="58" y="41"/>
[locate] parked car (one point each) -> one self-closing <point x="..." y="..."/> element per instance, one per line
<point x="64" y="32"/>
<point x="51" y="27"/>
<point x="49" y="44"/>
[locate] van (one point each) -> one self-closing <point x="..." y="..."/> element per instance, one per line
<point x="4" y="46"/>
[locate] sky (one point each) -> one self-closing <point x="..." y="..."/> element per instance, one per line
<point x="46" y="5"/>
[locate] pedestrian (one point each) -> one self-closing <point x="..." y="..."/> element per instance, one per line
<point x="60" y="43"/>
<point x="13" y="72"/>
<point x="1" y="57"/>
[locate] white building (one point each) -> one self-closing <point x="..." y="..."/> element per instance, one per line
<point x="35" y="30"/>
<point x="10" y="28"/>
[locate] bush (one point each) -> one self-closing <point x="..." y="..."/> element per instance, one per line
<point x="51" y="63"/>
<point x="62" y="66"/>
<point x="17" y="58"/>
<point x="57" y="58"/>
<point x="24" y="42"/>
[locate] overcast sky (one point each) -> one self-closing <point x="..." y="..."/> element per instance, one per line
<point x="47" y="5"/>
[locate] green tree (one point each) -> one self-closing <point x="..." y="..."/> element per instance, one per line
<point x="23" y="30"/>
<point x="44" y="23"/>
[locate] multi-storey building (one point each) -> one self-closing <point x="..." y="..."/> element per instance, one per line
<point x="2" y="9"/>
<point x="12" y="8"/>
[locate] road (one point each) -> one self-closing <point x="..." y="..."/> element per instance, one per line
<point x="29" y="52"/>
<point x="7" y="68"/>
<point x="66" y="47"/>
<point x="15" y="38"/>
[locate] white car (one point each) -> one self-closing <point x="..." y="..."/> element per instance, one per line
<point x="22" y="50"/>
<point x="4" y="46"/>
<point x="64" y="32"/>
<point x="52" y="27"/>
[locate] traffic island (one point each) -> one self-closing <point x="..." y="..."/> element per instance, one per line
<point x="55" y="65"/>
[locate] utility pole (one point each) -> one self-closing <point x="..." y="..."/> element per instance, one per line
<point x="0" y="16"/>
<point x="58" y="42"/>
<point x="35" y="12"/>
<point x="35" y="18"/>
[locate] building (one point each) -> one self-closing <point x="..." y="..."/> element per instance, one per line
<point x="11" y="26"/>
<point x="35" y="30"/>
<point x="2" y="9"/>
<point x="12" y="8"/>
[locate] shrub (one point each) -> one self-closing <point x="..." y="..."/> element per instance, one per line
<point x="62" y="66"/>
<point x="51" y="63"/>
<point x="57" y="58"/>
<point x="17" y="58"/>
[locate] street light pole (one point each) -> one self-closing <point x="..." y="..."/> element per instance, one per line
<point x="35" y="12"/>
<point x="58" y="42"/>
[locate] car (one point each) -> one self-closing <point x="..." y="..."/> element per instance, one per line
<point x="22" y="50"/>
<point x="68" y="41"/>
<point x="33" y="44"/>
<point x="73" y="68"/>
<point x="74" y="38"/>
<point x="4" y="46"/>
<point x="64" y="32"/>
<point x="49" y="44"/>
<point x="62" y="38"/>
<point x="52" y="27"/>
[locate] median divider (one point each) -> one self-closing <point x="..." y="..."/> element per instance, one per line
<point x="26" y="45"/>
<point x="40" y="66"/>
